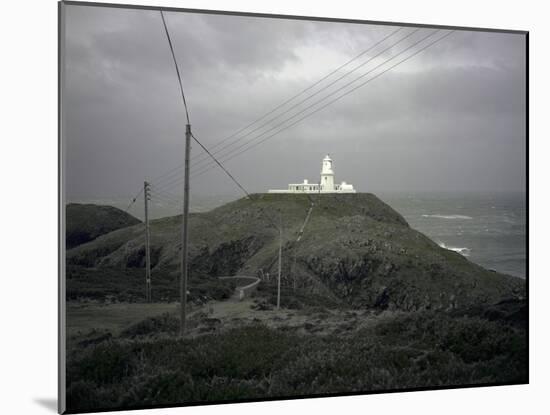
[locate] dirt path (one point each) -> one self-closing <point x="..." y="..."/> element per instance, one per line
<point x="248" y="285"/>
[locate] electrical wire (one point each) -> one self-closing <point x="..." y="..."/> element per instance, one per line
<point x="221" y="166"/>
<point x="228" y="156"/>
<point x="313" y="95"/>
<point x="168" y="173"/>
<point x="176" y="64"/>
<point x="202" y="169"/>
<point x="133" y="200"/>
<point x="248" y="195"/>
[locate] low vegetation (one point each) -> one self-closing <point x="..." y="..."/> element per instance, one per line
<point x="403" y="350"/>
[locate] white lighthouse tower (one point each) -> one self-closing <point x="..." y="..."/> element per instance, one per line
<point x="326" y="184"/>
<point x="327" y="175"/>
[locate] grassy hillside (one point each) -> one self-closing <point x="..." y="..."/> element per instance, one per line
<point x="85" y="222"/>
<point x="355" y="249"/>
<point x="367" y="304"/>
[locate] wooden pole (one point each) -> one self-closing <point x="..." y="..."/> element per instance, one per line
<point x="147" y="244"/>
<point x="280" y="259"/>
<point x="184" y="236"/>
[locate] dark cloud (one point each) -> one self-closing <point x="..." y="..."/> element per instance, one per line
<point x="451" y="118"/>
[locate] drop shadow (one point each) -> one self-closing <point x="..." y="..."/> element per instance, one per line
<point x="48" y="403"/>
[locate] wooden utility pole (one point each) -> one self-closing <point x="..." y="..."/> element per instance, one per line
<point x="280" y="259"/>
<point x="184" y="236"/>
<point x="147" y="198"/>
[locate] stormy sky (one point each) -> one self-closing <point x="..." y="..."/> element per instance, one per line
<point x="452" y="118"/>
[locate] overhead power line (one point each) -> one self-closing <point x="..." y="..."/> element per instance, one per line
<point x="176" y="180"/>
<point x="305" y="90"/>
<point x="248" y="195"/>
<point x="221" y="166"/>
<point x="167" y="196"/>
<point x="165" y="200"/>
<point x="281" y="105"/>
<point x="133" y="200"/>
<point x="207" y="167"/>
<point x="299" y="103"/>
<point x="175" y="64"/>
<point x="231" y="154"/>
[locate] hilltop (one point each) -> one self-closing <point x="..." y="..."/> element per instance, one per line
<point x="355" y="250"/>
<point x="85" y="222"/>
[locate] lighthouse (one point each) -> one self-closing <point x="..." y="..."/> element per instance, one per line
<point x="324" y="185"/>
<point x="327" y="175"/>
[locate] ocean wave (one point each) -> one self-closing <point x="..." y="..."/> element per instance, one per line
<point x="447" y="216"/>
<point x="462" y="251"/>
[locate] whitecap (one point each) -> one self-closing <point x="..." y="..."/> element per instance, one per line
<point x="448" y="216"/>
<point x="462" y="251"/>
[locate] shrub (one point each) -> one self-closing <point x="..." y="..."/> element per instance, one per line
<point x="420" y="349"/>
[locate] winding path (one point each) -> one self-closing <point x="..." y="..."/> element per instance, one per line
<point x="243" y="290"/>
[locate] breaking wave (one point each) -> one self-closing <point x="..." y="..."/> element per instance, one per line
<point x="462" y="251"/>
<point x="448" y="216"/>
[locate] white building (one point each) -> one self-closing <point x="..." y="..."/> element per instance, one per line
<point x="325" y="185"/>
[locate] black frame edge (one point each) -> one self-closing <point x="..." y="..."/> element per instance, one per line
<point x="290" y="17"/>
<point x="61" y="303"/>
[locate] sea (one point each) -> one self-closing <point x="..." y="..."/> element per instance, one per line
<point x="488" y="229"/>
